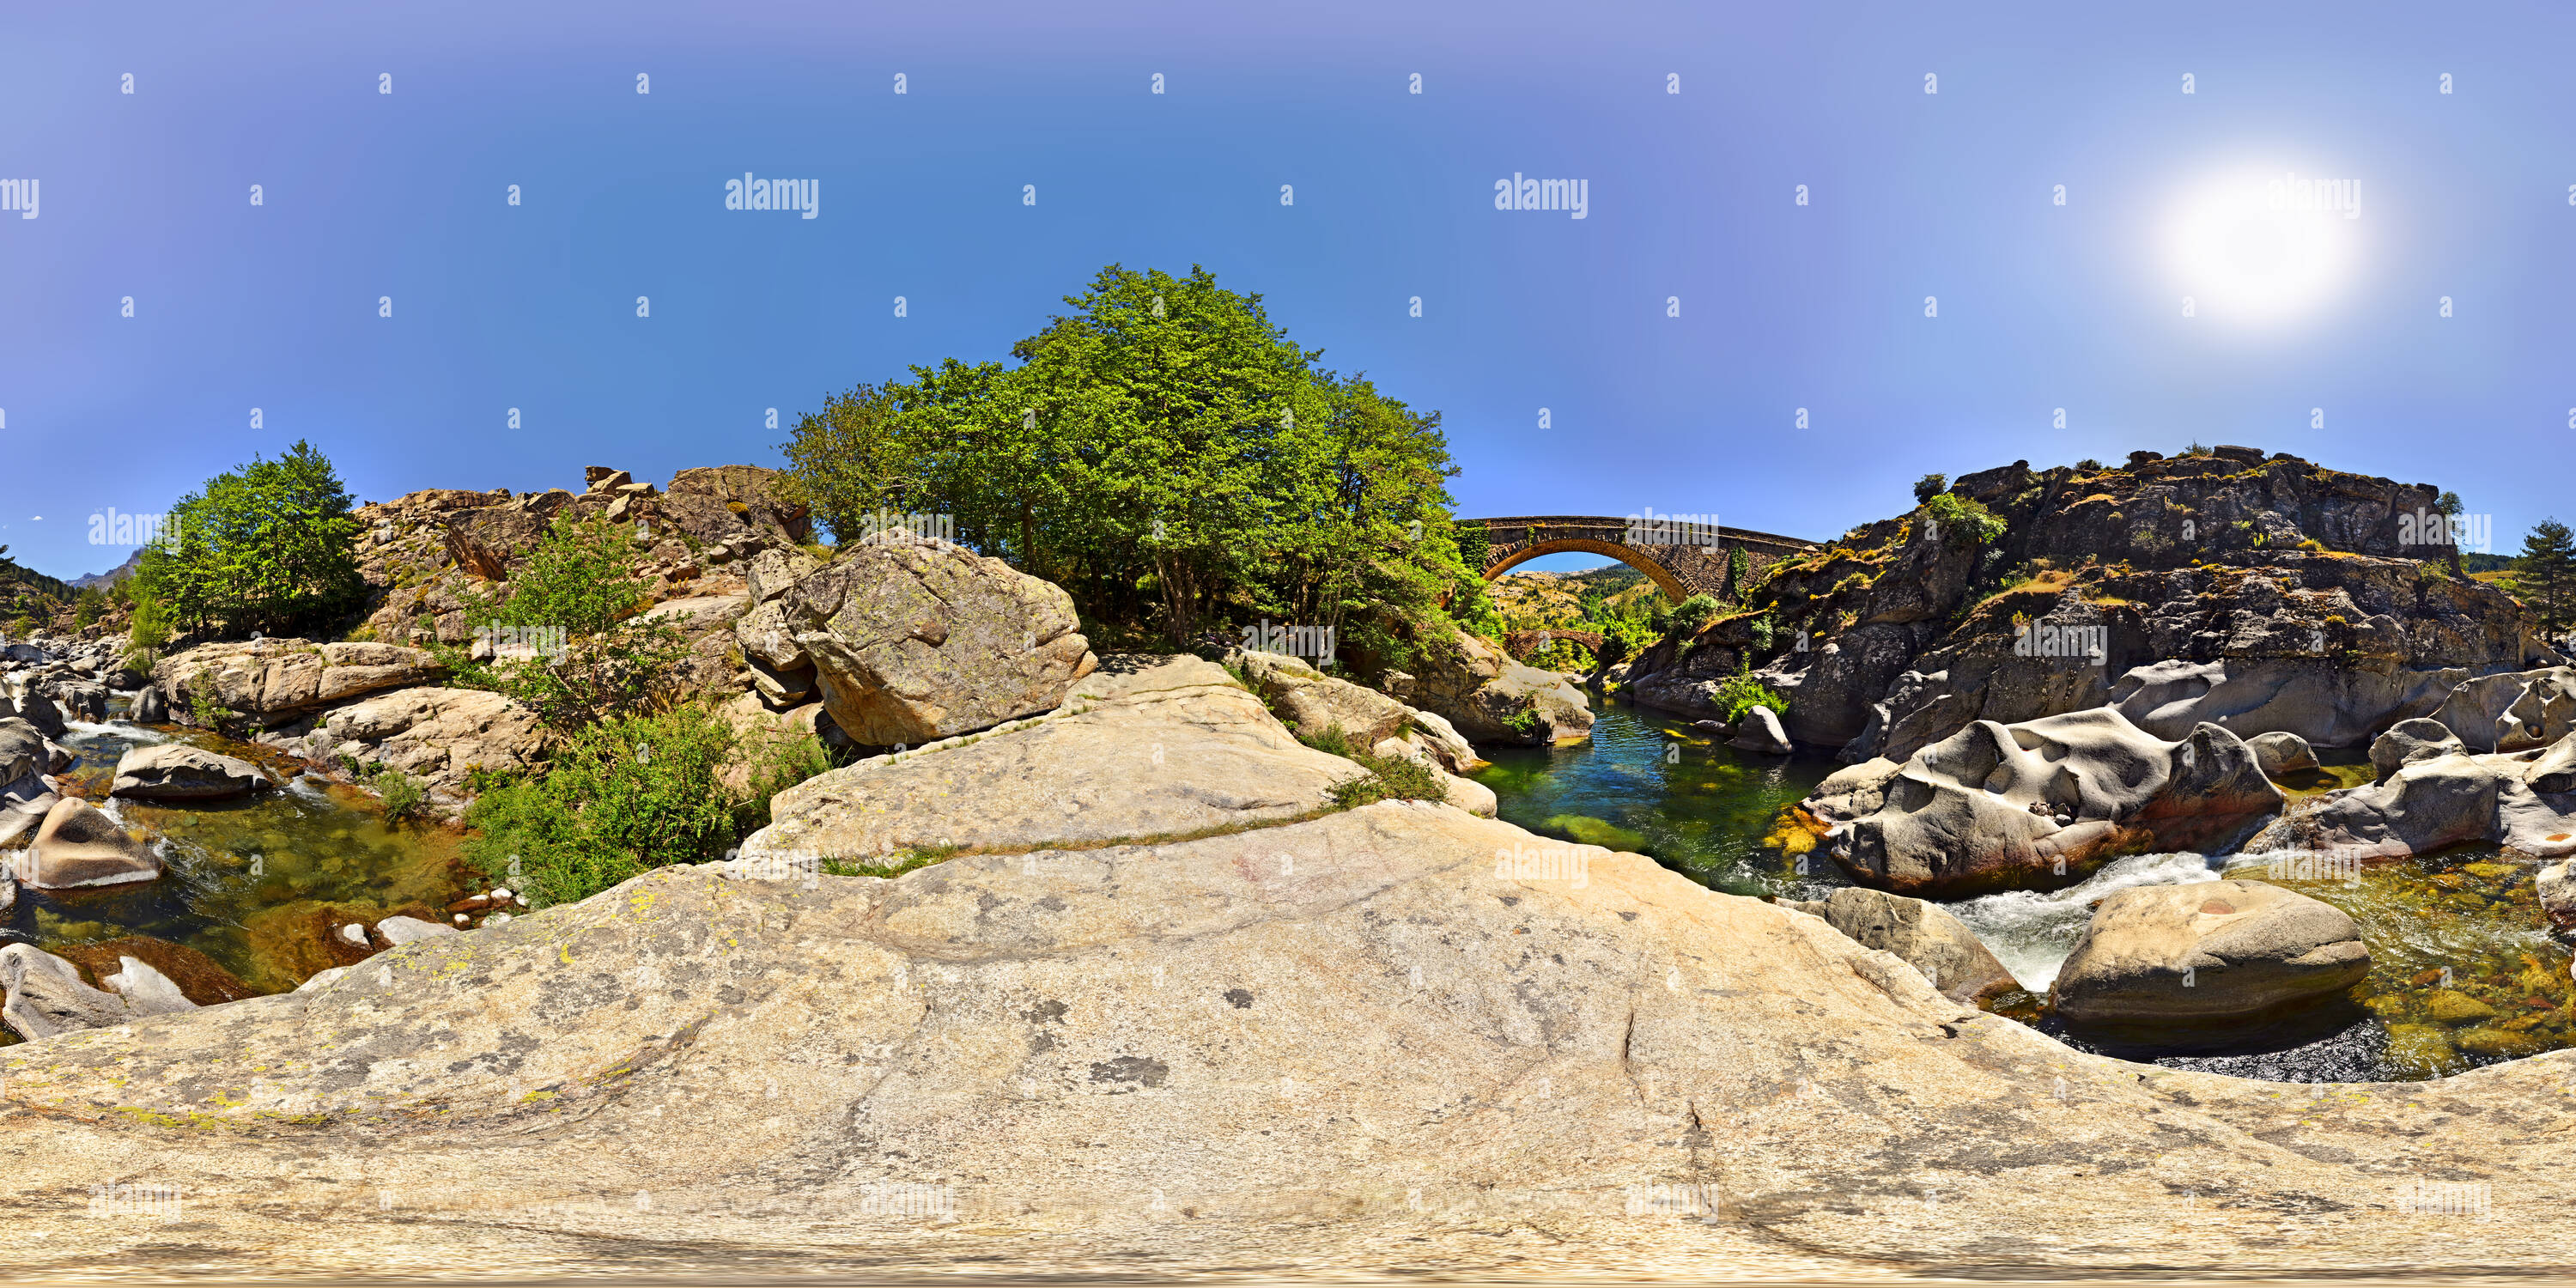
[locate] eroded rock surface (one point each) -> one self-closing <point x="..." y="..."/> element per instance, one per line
<point x="1488" y="697"/>
<point x="2037" y="805"/>
<point x="78" y="846"/>
<point x="438" y="735"/>
<point x="2439" y="796"/>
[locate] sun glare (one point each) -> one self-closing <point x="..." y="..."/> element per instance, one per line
<point x="2264" y="247"/>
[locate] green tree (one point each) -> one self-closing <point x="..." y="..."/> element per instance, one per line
<point x="268" y="547"/>
<point x="1929" y="486"/>
<point x="1165" y="453"/>
<point x="578" y="603"/>
<point x="2545" y="575"/>
<point x="1739" y="567"/>
<point x="851" y="460"/>
<point x="88" y="606"/>
<point x="2449" y="506"/>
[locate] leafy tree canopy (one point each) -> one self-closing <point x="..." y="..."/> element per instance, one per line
<point x="268" y="547"/>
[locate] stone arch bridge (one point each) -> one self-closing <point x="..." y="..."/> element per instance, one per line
<point x="1681" y="558"/>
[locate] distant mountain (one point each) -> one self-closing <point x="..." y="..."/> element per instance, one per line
<point x="112" y="575"/>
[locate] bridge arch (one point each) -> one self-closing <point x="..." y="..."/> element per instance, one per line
<point x="1663" y="577"/>
<point x="1682" y="554"/>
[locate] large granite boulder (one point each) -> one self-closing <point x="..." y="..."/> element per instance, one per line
<point x="1925" y="935"/>
<point x="25" y="794"/>
<point x="36" y="710"/>
<point x="1759" y="730"/>
<point x="2409" y="741"/>
<point x="2038" y="805"/>
<point x="2282" y="753"/>
<point x="2556" y="885"/>
<point x="46" y="995"/>
<point x="78" y="846"/>
<point x="2512" y="711"/>
<point x="2207" y="953"/>
<point x="1489" y="698"/>
<point x="2524" y="800"/>
<point x="272" y="682"/>
<point x="1143" y="747"/>
<point x="916" y="642"/>
<point x="175" y="771"/>
<point x="438" y="735"/>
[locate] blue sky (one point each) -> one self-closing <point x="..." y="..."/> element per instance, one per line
<point x="1692" y="194"/>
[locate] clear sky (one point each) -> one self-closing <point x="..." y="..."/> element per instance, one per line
<point x="1951" y="195"/>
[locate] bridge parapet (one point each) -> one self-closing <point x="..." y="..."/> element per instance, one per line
<point x="1683" y="558"/>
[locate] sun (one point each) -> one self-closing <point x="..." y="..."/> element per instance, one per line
<point x="2257" y="246"/>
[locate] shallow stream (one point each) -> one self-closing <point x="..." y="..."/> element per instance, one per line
<point x="256" y="885"/>
<point x="2462" y="971"/>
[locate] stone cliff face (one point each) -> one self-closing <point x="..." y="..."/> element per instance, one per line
<point x="2293" y="592"/>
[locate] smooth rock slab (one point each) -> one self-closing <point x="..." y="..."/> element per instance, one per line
<point x="175" y="771"/>
<point x="79" y="846"/>
<point x="1148" y="746"/>
<point x="2206" y="953"/>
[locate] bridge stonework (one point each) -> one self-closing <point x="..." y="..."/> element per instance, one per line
<point x="1680" y="568"/>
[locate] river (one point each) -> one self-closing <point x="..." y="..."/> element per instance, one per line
<point x="2462" y="972"/>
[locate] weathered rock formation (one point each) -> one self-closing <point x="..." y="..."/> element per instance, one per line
<point x="175" y="771"/>
<point x="437" y="735"/>
<point x="1339" y="1044"/>
<point x="916" y="642"/>
<point x="2205" y="954"/>
<point x="1489" y="698"/>
<point x="271" y="682"/>
<point x="2282" y="753"/>
<point x="2437" y="796"/>
<point x="46" y="995"/>
<point x="2261" y="595"/>
<point x="2512" y="711"/>
<point x="78" y="846"/>
<point x="2037" y="805"/>
<point x="1924" y="935"/>
<point x="1312" y="703"/>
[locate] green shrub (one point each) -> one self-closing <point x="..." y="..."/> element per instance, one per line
<point x="403" y="794"/>
<point x="146" y="633"/>
<point x="1388" y="778"/>
<point x="1962" y="520"/>
<point x="88" y="607"/>
<point x="1693" y="613"/>
<point x="1526" y="722"/>
<point x="774" y="762"/>
<point x="203" y="710"/>
<point x="622" y="796"/>
<point x="1929" y="486"/>
<point x="1741" y="693"/>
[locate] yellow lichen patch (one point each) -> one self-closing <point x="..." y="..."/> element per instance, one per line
<point x="1794" y="833"/>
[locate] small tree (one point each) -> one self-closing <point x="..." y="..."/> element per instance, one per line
<point x="269" y="547"/>
<point x="1929" y="486"/>
<point x="1738" y="568"/>
<point x="2545" y="575"/>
